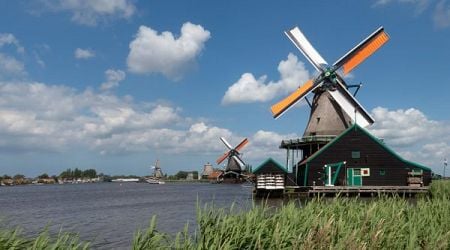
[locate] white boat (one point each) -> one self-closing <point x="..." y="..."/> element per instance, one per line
<point x="154" y="181"/>
<point x="126" y="180"/>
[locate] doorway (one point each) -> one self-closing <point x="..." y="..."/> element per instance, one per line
<point x="354" y="177"/>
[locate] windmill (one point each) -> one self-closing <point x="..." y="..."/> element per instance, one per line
<point x="157" y="172"/>
<point x="235" y="164"/>
<point x="333" y="108"/>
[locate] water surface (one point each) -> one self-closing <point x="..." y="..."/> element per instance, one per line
<point x="110" y="213"/>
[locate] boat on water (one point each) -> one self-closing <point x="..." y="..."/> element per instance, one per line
<point x="126" y="180"/>
<point x="154" y="181"/>
<point x="157" y="176"/>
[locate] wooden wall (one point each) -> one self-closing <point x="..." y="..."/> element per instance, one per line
<point x="372" y="155"/>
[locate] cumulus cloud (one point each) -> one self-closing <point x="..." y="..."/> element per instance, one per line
<point x="249" y="89"/>
<point x="40" y="117"/>
<point x="441" y="12"/>
<point x="413" y="135"/>
<point x="441" y="15"/>
<point x="10" y="66"/>
<point x="10" y="39"/>
<point x="113" y="78"/>
<point x="91" y="12"/>
<point x="264" y="144"/>
<point x="36" y="117"/>
<point x="151" y="52"/>
<point x="83" y="53"/>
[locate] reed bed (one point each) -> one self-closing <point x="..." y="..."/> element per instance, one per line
<point x="14" y="239"/>
<point x="339" y="223"/>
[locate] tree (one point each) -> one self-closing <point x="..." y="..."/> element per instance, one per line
<point x="68" y="174"/>
<point x="89" y="173"/>
<point x="19" y="176"/>
<point x="43" y="176"/>
<point x="181" y="175"/>
<point x="195" y="175"/>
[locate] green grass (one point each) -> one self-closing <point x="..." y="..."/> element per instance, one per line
<point x="14" y="239"/>
<point x="340" y="223"/>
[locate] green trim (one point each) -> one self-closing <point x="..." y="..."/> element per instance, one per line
<point x="339" y="165"/>
<point x="356" y="127"/>
<point x="305" y="179"/>
<point x="277" y="164"/>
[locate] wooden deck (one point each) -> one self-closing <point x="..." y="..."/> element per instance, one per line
<point x="371" y="191"/>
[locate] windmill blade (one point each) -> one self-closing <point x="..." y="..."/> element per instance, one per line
<point x="241" y="144"/>
<point x="351" y="106"/>
<point x="239" y="161"/>
<point x="222" y="158"/>
<point x="362" y="51"/>
<point x="300" y="41"/>
<point x="226" y="143"/>
<point x="282" y="106"/>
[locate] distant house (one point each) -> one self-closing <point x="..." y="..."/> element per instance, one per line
<point x="357" y="158"/>
<point x="215" y="176"/>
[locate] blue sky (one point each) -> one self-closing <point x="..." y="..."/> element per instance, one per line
<point x="116" y="84"/>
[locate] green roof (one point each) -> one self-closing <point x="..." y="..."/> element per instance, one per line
<point x="278" y="165"/>
<point x="357" y="127"/>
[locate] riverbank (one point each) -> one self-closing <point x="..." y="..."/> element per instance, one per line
<point x="341" y="223"/>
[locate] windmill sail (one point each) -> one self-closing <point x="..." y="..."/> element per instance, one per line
<point x="329" y="82"/>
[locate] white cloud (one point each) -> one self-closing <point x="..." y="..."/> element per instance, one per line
<point x="441" y="15"/>
<point x="36" y="117"/>
<point x="264" y="144"/>
<point x="113" y="78"/>
<point x="441" y="12"/>
<point x="8" y="39"/>
<point x="151" y="52"/>
<point x="83" y="53"/>
<point x="10" y="66"/>
<point x="249" y="89"/>
<point x="39" y="117"/>
<point x="413" y="135"/>
<point x="420" y="5"/>
<point x="91" y="12"/>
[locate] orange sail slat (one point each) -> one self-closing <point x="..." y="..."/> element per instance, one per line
<point x="242" y="144"/>
<point x="280" y="107"/>
<point x="365" y="52"/>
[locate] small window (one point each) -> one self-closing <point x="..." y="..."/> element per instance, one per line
<point x="417" y="171"/>
<point x="356" y="154"/>
<point x="382" y="172"/>
<point x="356" y="172"/>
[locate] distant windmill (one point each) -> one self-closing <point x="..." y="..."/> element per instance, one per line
<point x="445" y="165"/>
<point x="235" y="163"/>
<point x="157" y="172"/>
<point x="333" y="108"/>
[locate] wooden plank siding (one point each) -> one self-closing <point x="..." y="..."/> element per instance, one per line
<point x="373" y="155"/>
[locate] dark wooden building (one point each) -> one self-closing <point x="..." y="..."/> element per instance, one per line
<point x="357" y="158"/>
<point x="272" y="177"/>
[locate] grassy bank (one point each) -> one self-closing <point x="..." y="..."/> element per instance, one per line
<point x="14" y="239"/>
<point x="341" y="223"/>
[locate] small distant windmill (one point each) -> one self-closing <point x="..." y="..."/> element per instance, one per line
<point x="235" y="164"/>
<point x="445" y="166"/>
<point x="333" y="108"/>
<point x="157" y="172"/>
